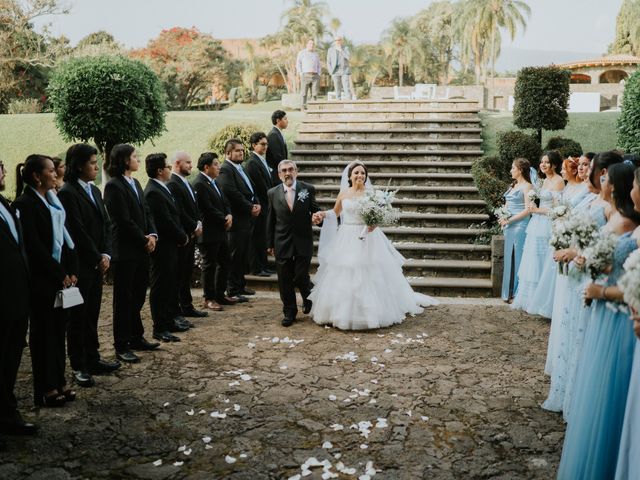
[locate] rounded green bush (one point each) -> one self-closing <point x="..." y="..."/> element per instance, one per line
<point x="565" y="146"/>
<point x="241" y="131"/>
<point x="516" y="144"/>
<point x="628" y="125"/>
<point x="491" y="180"/>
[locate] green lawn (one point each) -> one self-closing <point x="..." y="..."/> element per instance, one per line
<point x="596" y="132"/>
<point x="21" y="135"/>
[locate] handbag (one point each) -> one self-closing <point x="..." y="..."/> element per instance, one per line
<point x="68" y="297"/>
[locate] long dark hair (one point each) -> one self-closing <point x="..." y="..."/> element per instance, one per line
<point x="34" y="163"/>
<point x="77" y="156"/>
<point x="524" y="166"/>
<point x="601" y="161"/>
<point x="119" y="159"/>
<point x="621" y="178"/>
<point x="555" y="160"/>
<point x="352" y="168"/>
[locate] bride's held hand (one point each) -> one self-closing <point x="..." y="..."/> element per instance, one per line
<point x="371" y="228"/>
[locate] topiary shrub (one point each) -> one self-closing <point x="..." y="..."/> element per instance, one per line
<point x="109" y="99"/>
<point x="541" y="99"/>
<point x="628" y="125"/>
<point x="491" y="180"/>
<point x="565" y="146"/>
<point x="241" y="131"/>
<point x="516" y="144"/>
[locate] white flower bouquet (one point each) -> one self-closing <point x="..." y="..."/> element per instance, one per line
<point x="559" y="211"/>
<point x="502" y="213"/>
<point x="533" y="195"/>
<point x="599" y="253"/>
<point x="560" y="237"/>
<point x="629" y="282"/>
<point x="375" y="209"/>
<point x="582" y="228"/>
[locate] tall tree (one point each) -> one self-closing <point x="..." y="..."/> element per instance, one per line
<point x="627" y="39"/>
<point x="401" y="45"/>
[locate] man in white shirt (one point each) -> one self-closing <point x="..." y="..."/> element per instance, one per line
<point x="308" y="69"/>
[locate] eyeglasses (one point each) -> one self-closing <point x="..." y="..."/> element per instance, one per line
<point x="286" y="170"/>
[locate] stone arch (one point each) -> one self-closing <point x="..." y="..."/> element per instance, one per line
<point x="613" y="76"/>
<point x="580" y="78"/>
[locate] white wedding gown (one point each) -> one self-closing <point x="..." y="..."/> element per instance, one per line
<point x="359" y="284"/>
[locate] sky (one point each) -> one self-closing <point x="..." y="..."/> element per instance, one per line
<point x="555" y="25"/>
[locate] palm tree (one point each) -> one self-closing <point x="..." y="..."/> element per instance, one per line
<point x="401" y="45"/>
<point x="305" y="20"/>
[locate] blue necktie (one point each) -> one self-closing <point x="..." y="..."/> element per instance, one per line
<point x="215" y="185"/>
<point x="245" y="178"/>
<point x="87" y="188"/>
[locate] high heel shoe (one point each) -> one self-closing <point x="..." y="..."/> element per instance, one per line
<point x="69" y="395"/>
<point x="53" y="400"/>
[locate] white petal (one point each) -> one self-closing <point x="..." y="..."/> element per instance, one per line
<point x="190" y="412"/>
<point x="245" y="377"/>
<point x="327" y="445"/>
<point x="234" y="383"/>
<point x="236" y="407"/>
<point x="182" y="448"/>
<point x="166" y="404"/>
<point x="332" y="397"/>
<point x="230" y="459"/>
<point x="191" y="395"/>
<point x="157" y="463"/>
<point x="187" y="452"/>
<point x="364" y="446"/>
<point x="178" y="464"/>
<point x="206" y="439"/>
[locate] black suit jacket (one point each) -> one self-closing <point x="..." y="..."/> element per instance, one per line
<point x="290" y="232"/>
<point x="166" y="216"/>
<point x="276" y="152"/>
<point x="188" y="207"/>
<point x="130" y="217"/>
<point x="46" y="273"/>
<point x="14" y="280"/>
<point x="89" y="223"/>
<point x="261" y="179"/>
<point x="213" y="209"/>
<point x="238" y="194"/>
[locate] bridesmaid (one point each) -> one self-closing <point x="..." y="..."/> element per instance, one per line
<point x="515" y="226"/>
<point x="592" y="439"/>
<point x="574" y="192"/>
<point x="628" y="466"/>
<point x="53" y="264"/>
<point x="536" y="245"/>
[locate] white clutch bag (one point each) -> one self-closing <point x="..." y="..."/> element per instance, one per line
<point x="68" y="297"/>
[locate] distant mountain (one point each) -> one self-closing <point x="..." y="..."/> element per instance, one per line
<point x="513" y="59"/>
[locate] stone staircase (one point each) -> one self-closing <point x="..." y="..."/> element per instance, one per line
<point x="425" y="150"/>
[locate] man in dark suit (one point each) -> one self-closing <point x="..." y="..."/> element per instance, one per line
<point x="134" y="238"/>
<point x="277" y="145"/>
<point x="292" y="206"/>
<point x="90" y="228"/>
<point x="163" y="297"/>
<point x="185" y="198"/>
<point x="260" y="174"/>
<point x="215" y="213"/>
<point x="14" y="298"/>
<point x="240" y="192"/>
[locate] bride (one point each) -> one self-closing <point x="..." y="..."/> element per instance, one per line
<point x="359" y="284"/>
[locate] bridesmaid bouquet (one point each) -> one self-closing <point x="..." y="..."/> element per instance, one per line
<point x="375" y="209"/>
<point x="502" y="213"/>
<point x="599" y="254"/>
<point x="629" y="282"/>
<point x="560" y="236"/>
<point x="533" y="195"/>
<point x="582" y="228"/>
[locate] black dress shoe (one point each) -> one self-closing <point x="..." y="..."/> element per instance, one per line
<point x="127" y="356"/>
<point x="287" y="321"/>
<point x="240" y="298"/>
<point x="102" y="367"/>
<point x="165" y="337"/>
<point x="83" y="379"/>
<point x="180" y="320"/>
<point x="18" y="427"/>
<point x="246" y="291"/>
<point x="306" y="305"/>
<point x="262" y="273"/>
<point x="143" y="344"/>
<point x="227" y="301"/>
<point x="176" y="327"/>
<point x="193" y="313"/>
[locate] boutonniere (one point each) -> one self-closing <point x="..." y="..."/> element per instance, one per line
<point x="302" y="195"/>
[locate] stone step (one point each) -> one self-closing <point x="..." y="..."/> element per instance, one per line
<point x="438" y="286"/>
<point x="439" y="251"/>
<point x="411" y="191"/>
<point x="424" y="205"/>
<point x="377" y="166"/>
<point x="373" y="104"/>
<point x="395" y="179"/>
<point x="428" y="234"/>
<point x="413" y="128"/>
<point x="370" y="122"/>
<point x="350" y="155"/>
<point x="397" y="115"/>
<point x="390" y="134"/>
<point x="387" y="144"/>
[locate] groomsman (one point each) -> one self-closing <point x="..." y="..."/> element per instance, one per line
<point x="14" y="298"/>
<point x="277" y="145"/>
<point x="163" y="297"/>
<point x="90" y="228"/>
<point x="260" y="174"/>
<point x="215" y="213"/>
<point x="240" y="192"/>
<point x="185" y="198"/>
<point x="134" y="238"/>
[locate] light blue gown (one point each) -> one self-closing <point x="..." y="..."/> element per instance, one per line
<point x="514" y="237"/>
<point x="534" y="253"/>
<point x="544" y="296"/>
<point x="628" y="463"/>
<point x="567" y="326"/>
<point x="592" y="440"/>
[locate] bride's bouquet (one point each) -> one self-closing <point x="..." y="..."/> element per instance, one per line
<point x="375" y="209"/>
<point x="629" y="282"/>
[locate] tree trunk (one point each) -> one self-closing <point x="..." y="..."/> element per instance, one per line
<point x="493" y="57"/>
<point x="401" y="72"/>
<point x="539" y="136"/>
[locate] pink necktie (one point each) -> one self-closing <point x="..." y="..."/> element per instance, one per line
<point x="290" y="198"/>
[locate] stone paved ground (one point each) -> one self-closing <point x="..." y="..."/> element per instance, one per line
<point x="452" y="393"/>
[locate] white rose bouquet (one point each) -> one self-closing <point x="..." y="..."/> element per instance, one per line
<point x="560" y="237"/>
<point x="375" y="209"/>
<point x="599" y="253"/>
<point x="629" y="282"/>
<point x="502" y="213"/>
<point x="582" y="228"/>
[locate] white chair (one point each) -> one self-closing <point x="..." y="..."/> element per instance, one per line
<point x="424" y="91"/>
<point x="397" y="96"/>
<point x="331" y="96"/>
